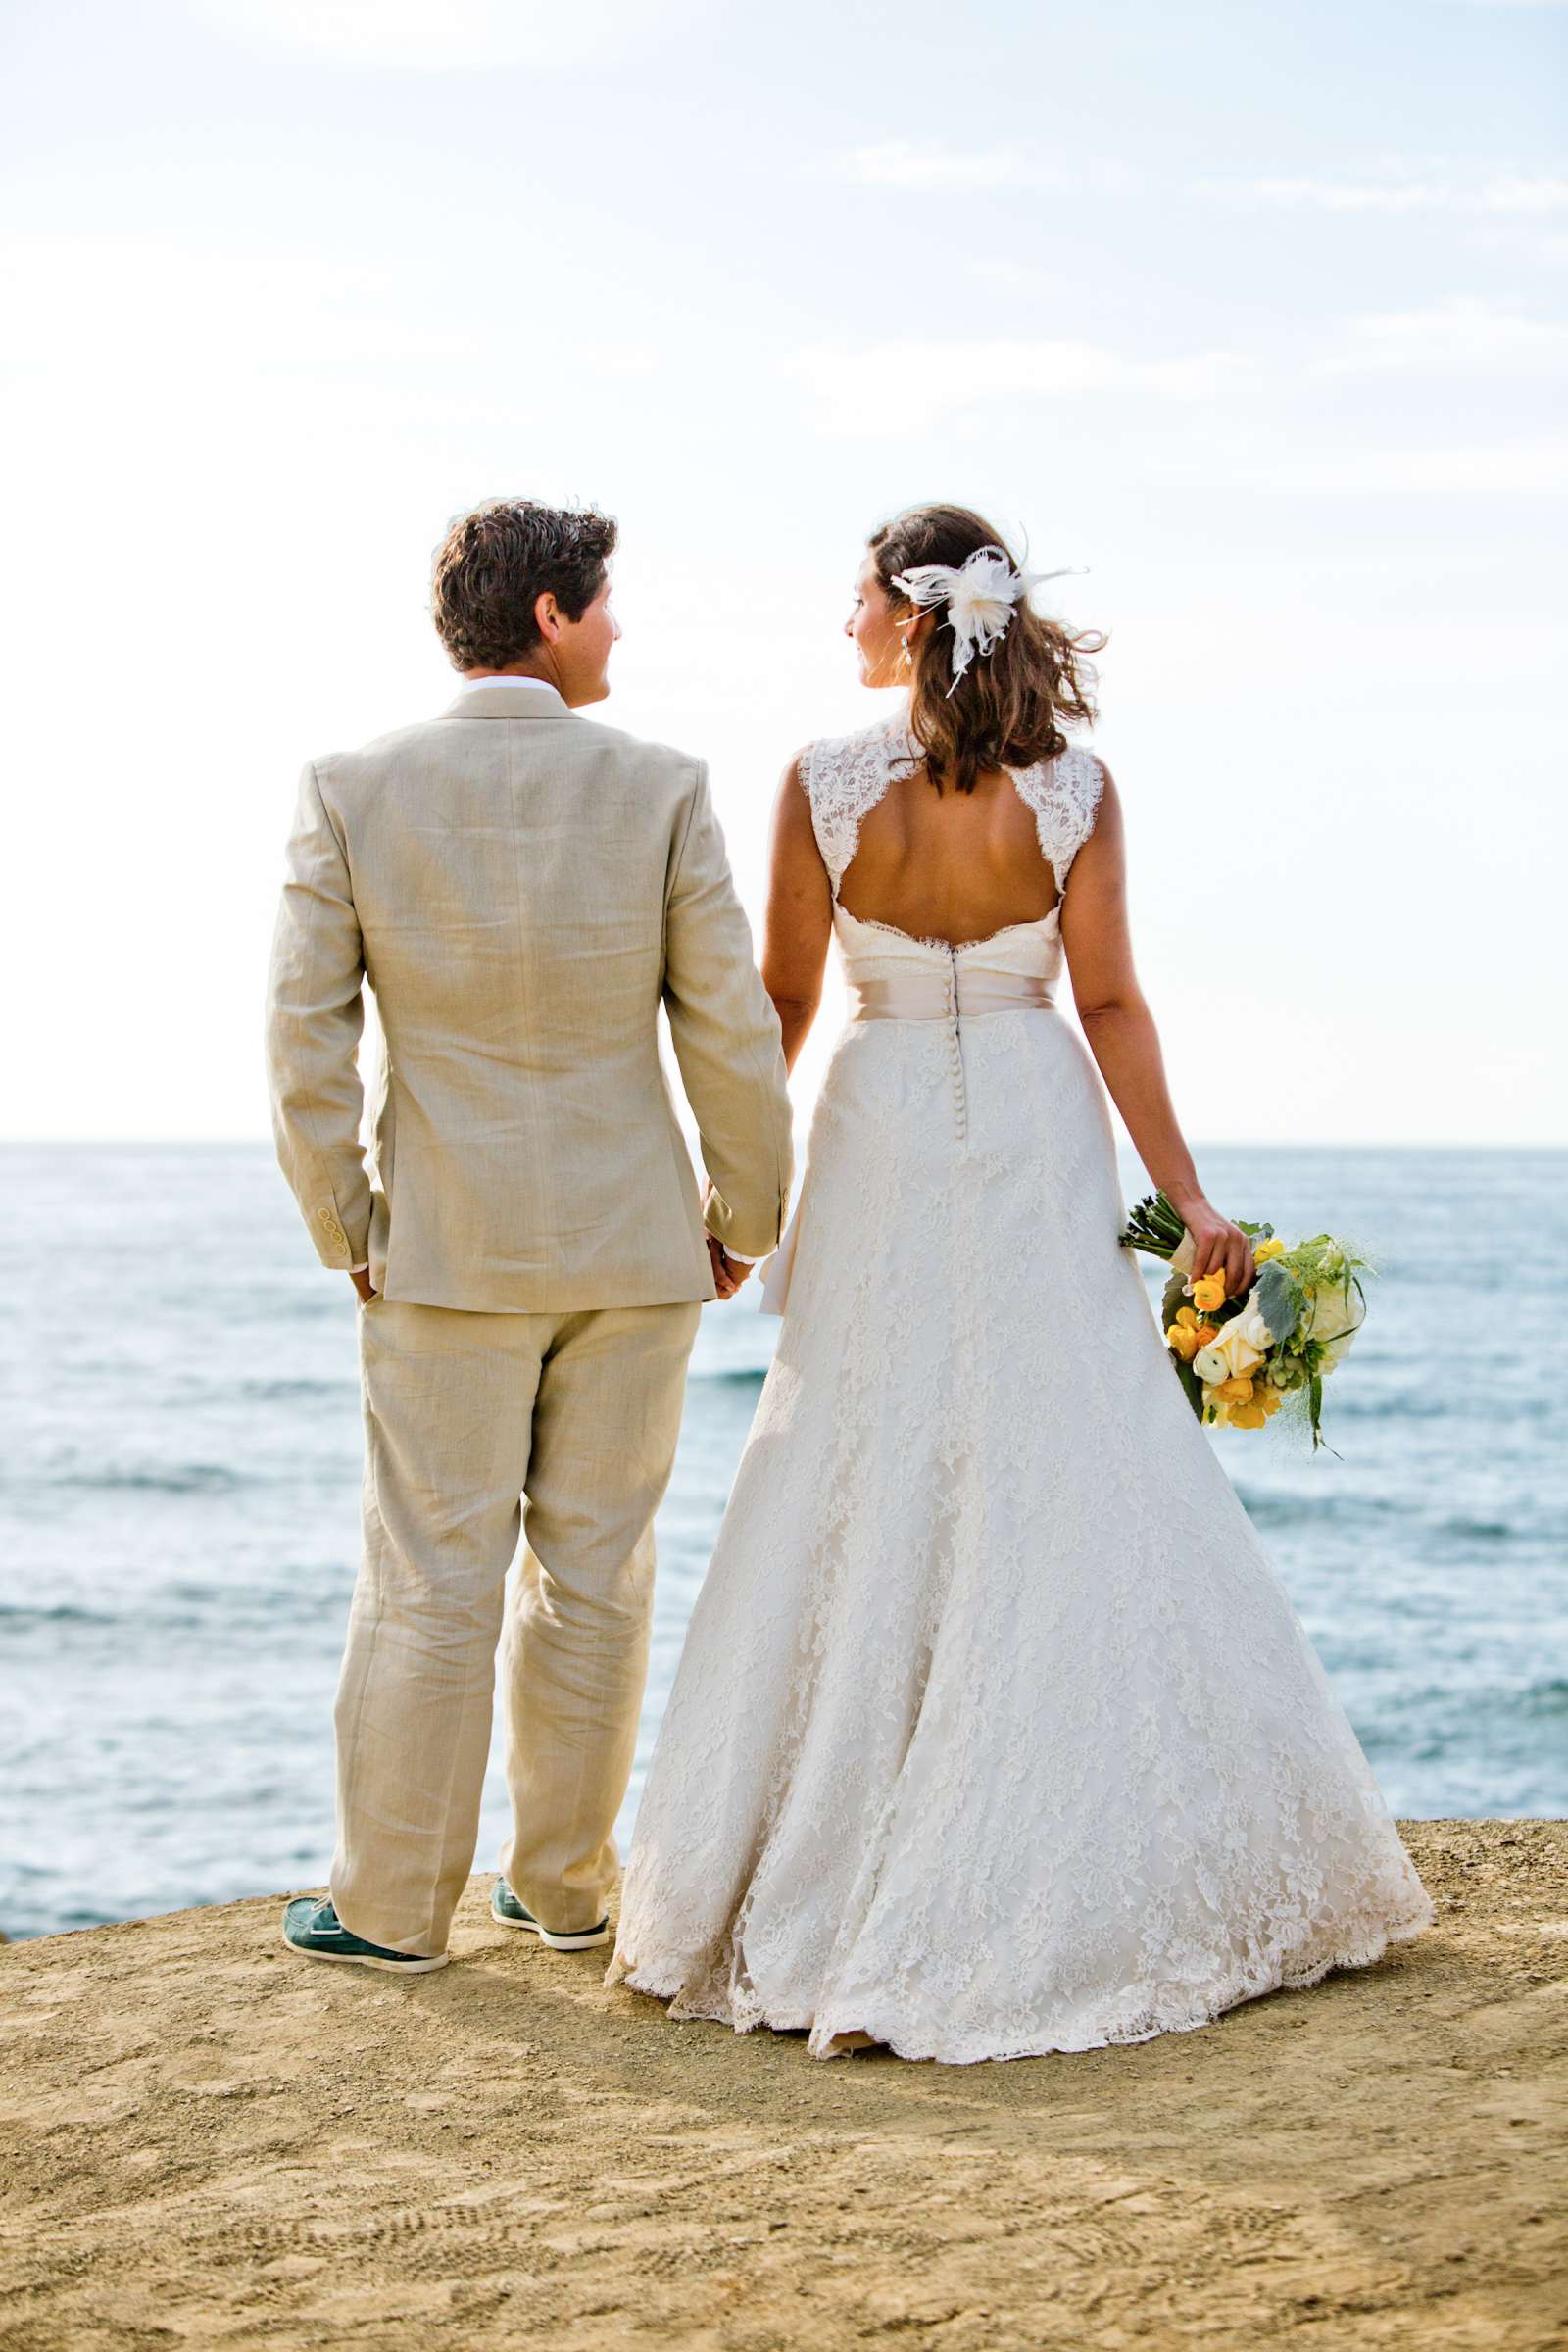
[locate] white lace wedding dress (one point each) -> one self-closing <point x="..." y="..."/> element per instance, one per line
<point x="996" y="1731"/>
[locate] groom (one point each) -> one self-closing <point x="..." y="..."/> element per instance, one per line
<point x="522" y="888"/>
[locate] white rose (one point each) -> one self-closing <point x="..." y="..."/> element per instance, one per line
<point x="1253" y="1323"/>
<point x="1334" y="1316"/>
<point x="1242" y="1343"/>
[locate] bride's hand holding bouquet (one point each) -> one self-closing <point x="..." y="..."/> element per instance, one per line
<point x="1214" y="1245"/>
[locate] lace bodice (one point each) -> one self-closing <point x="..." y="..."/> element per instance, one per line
<point x="845" y="775"/>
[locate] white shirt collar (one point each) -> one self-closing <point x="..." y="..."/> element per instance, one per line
<point x="483" y="685"/>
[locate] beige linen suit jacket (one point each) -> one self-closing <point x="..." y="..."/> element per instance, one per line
<point x="522" y="888"/>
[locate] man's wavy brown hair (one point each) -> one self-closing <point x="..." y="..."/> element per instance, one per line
<point x="1009" y="708"/>
<point x="493" y="567"/>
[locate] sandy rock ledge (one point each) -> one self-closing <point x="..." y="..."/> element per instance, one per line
<point x="207" y="2140"/>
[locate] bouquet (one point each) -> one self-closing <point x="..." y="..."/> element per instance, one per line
<point x="1240" y="1358"/>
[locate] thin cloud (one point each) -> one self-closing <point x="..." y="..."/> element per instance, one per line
<point x="1464" y="334"/>
<point x="1538" y="468"/>
<point x="458" y="36"/>
<point x="913" y="384"/>
<point x="1411" y="191"/>
<point x="939" y="169"/>
<point x="229" y="312"/>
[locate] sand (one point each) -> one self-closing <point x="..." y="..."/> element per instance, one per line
<point x="207" y="2140"/>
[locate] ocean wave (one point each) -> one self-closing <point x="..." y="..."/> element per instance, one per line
<point x="215" y="1617"/>
<point x="289" y="1391"/>
<point x="1504" y="1407"/>
<point x="1434" y="1723"/>
<point x="16" y="1615"/>
<point x="1326" y="1509"/>
<point x="1425" y="1534"/>
<point x="173" y="1478"/>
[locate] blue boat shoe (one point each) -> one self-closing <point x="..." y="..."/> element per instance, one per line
<point x="314" y="1927"/>
<point x="507" y="1912"/>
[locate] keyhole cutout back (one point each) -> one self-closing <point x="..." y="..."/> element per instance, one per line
<point x="955" y="869"/>
<point x="948" y="870"/>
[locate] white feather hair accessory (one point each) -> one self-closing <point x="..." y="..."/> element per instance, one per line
<point x="981" y="596"/>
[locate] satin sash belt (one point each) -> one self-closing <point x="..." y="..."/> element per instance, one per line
<point x="937" y="995"/>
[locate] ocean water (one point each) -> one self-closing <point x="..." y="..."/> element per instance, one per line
<point x="179" y="1496"/>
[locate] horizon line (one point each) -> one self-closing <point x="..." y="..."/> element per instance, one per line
<point x="1371" y="1143"/>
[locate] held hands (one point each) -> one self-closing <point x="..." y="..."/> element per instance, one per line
<point x="1219" y="1246"/>
<point x="729" y="1272"/>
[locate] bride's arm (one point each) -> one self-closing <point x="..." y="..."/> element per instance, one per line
<point x="1124" y="1042"/>
<point x="800" y="916"/>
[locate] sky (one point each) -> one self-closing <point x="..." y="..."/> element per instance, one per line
<point x="1254" y="313"/>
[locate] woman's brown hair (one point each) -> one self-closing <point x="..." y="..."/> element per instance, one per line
<point x="1007" y="709"/>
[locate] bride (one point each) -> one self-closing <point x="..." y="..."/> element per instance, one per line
<point x="996" y="1731"/>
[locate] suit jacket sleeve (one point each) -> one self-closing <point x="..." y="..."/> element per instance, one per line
<point x="314" y="1015"/>
<point x="727" y="1039"/>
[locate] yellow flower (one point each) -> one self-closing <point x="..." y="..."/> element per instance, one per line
<point x="1242" y="1403"/>
<point x="1267" y="1249"/>
<point x="1209" y="1290"/>
<point x="1182" y="1336"/>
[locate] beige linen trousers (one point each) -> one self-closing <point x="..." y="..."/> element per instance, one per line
<point x="521" y="889"/>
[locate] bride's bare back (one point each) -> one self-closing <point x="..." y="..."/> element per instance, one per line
<point x="954" y="867"/>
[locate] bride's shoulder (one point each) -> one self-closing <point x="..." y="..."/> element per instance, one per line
<point x="1067" y="793"/>
<point x="1074" y="778"/>
<point x="830" y="761"/>
<point x="1077" y="766"/>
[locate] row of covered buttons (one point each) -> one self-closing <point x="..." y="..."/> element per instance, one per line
<point x="961" y="1107"/>
<point x="326" y="1219"/>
